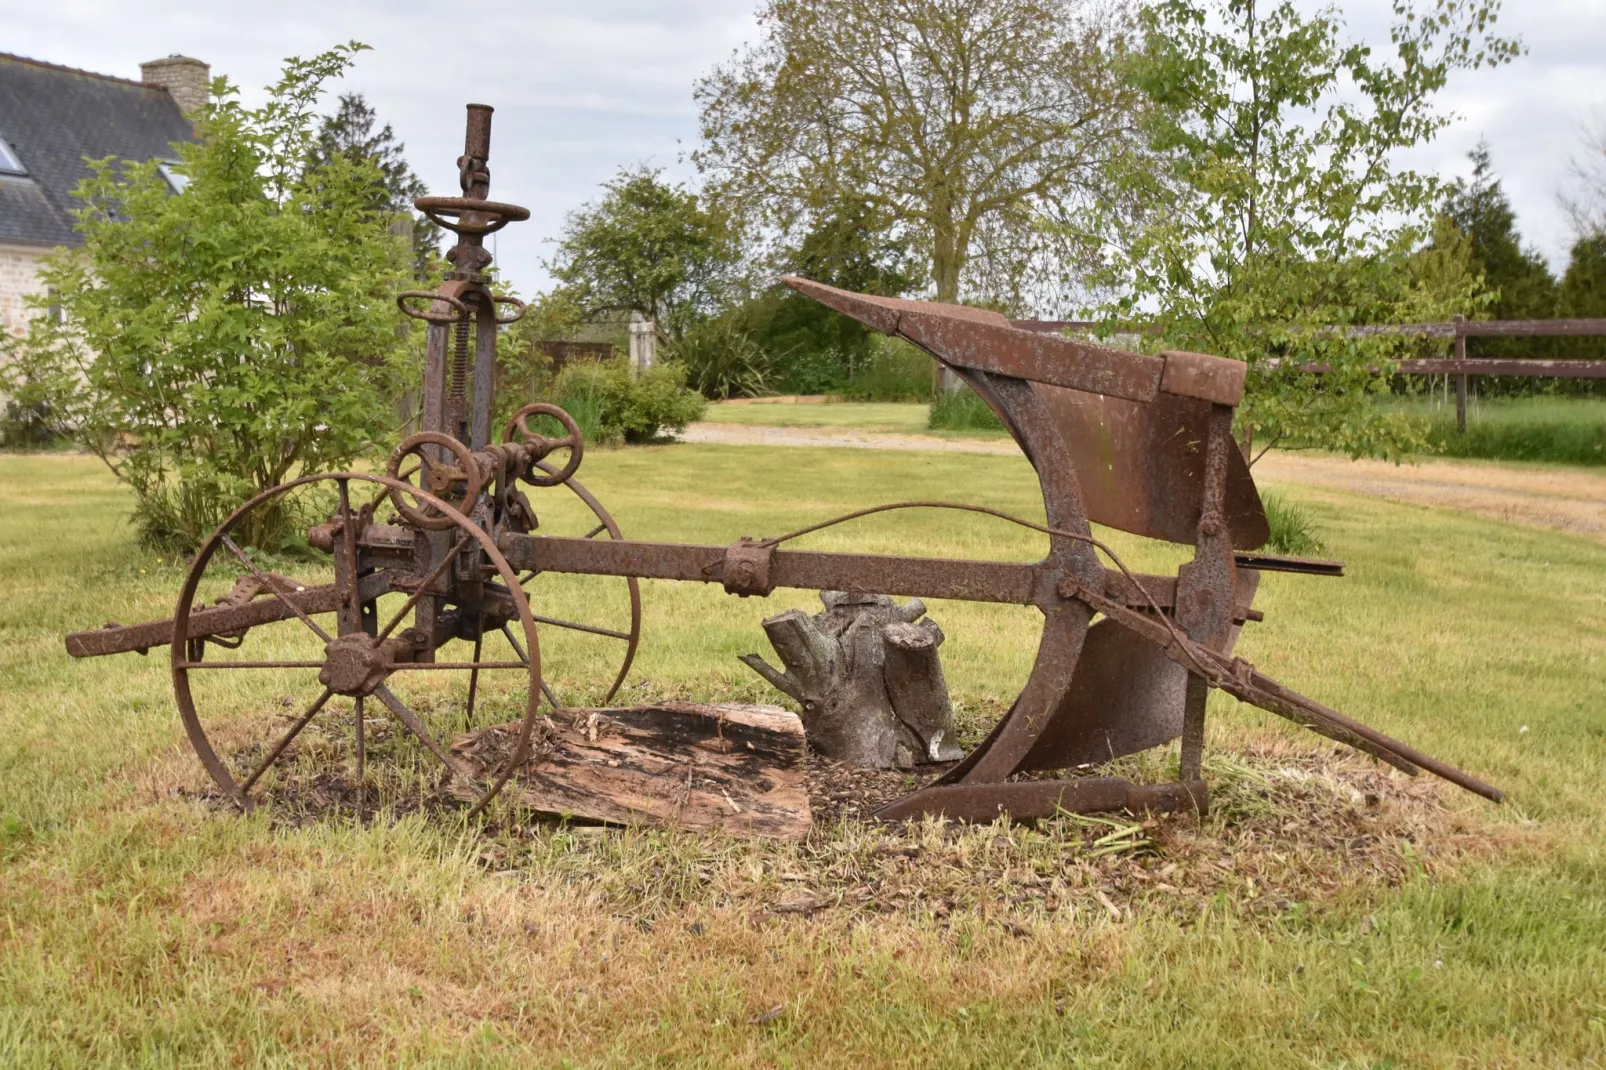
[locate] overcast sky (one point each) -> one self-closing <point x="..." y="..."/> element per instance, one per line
<point x="582" y="88"/>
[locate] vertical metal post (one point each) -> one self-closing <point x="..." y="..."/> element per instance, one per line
<point x="1205" y="586"/>
<point x="1461" y="378"/>
<point x="484" y="375"/>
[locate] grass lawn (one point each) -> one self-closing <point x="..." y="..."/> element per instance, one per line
<point x="1327" y="913"/>
<point x="1565" y="430"/>
<point x="909" y="418"/>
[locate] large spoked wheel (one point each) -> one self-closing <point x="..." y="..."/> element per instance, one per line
<point x="591" y="523"/>
<point x="340" y="644"/>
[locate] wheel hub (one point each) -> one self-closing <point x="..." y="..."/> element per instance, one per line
<point x="357" y="664"/>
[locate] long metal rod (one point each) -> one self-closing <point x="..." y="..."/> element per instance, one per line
<point x="274" y="590"/>
<point x="423" y="588"/>
<point x="295" y="730"/>
<point x="576" y="626"/>
<point x="925" y="577"/>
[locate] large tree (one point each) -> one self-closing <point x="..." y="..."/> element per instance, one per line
<point x="215" y="341"/>
<point x="350" y="132"/>
<point x="1517" y="277"/>
<point x="963" y="124"/>
<point x="1268" y="213"/>
<point x="647" y="246"/>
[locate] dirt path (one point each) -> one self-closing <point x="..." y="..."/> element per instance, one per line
<point x="1563" y="499"/>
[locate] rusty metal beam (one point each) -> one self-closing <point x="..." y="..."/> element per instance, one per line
<point x="122" y="639"/>
<point x="924" y="577"/>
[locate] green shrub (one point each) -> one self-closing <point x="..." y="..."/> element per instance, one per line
<point x="28" y="427"/>
<point x="962" y="410"/>
<point x="611" y="407"/>
<point x="811" y="371"/>
<point x="891" y="370"/>
<point x="722" y="360"/>
<point x="1292" y="530"/>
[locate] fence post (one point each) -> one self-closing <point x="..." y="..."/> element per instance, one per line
<point x="1461" y="378"/>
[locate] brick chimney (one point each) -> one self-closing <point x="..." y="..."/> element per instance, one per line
<point x="188" y="80"/>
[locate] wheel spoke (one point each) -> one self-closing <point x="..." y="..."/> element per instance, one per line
<point x="598" y="530"/>
<point x="429" y="581"/>
<point x="590" y="629"/>
<point x="251" y="565"/>
<point x="473" y="681"/>
<point x="350" y="616"/>
<point x="403" y="476"/>
<point x="295" y="730"/>
<point x="252" y="665"/>
<point x="411" y="722"/>
<point x="362" y="752"/>
<point x="545" y="690"/>
<point x="445" y="666"/>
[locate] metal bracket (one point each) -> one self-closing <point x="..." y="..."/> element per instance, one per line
<point x="747" y="568"/>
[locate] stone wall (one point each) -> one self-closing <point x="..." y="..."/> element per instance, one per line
<point x="19" y="277"/>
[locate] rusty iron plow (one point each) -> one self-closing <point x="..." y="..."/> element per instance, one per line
<point x="1139" y="443"/>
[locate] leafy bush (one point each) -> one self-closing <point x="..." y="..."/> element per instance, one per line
<point x="27" y="427"/>
<point x="1292" y="530"/>
<point x="963" y="410"/>
<point x="722" y="360"/>
<point x="217" y="341"/>
<point x="811" y="371"/>
<point x="891" y="370"/>
<point x="611" y="407"/>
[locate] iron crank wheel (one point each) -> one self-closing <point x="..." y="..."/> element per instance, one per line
<point x="359" y="658"/>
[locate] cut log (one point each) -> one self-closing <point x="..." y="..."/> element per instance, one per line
<point x="730" y="767"/>
<point x="866" y="673"/>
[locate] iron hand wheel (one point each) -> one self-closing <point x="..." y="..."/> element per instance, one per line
<point x="518" y="427"/>
<point x="436" y="478"/>
<point x="243" y="733"/>
<point x="470" y="215"/>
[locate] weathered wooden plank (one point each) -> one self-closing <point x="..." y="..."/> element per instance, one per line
<point x="735" y="768"/>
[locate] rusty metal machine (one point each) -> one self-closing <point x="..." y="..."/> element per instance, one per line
<point x="1140" y="443"/>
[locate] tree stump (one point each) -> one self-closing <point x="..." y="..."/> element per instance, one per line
<point x="867" y="675"/>
<point x="731" y="767"/>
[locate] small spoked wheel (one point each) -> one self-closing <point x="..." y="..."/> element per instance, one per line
<point x="331" y="664"/>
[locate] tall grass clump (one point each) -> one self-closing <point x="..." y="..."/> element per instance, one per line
<point x="1553" y="429"/>
<point x="962" y="410"/>
<point x="1292" y="529"/>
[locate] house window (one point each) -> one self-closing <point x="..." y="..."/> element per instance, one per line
<point x="176" y="179"/>
<point x="9" y="164"/>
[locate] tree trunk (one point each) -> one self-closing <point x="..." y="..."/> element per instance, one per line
<point x="734" y="768"/>
<point x="867" y="674"/>
<point x="947" y="261"/>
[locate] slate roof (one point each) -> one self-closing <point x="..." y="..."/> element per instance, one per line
<point x="53" y="118"/>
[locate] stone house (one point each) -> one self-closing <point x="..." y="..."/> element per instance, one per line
<point x="52" y="118"/>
